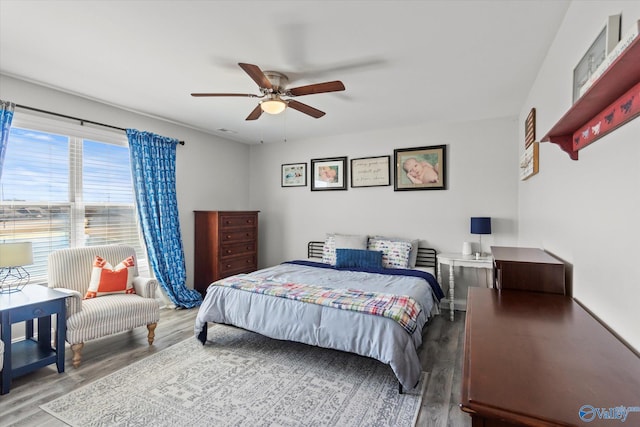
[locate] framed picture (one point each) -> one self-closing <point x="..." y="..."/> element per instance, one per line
<point x="371" y="171"/>
<point x="294" y="175"/>
<point x="585" y="73"/>
<point x="329" y="174"/>
<point x="420" y="168"/>
<point x="530" y="128"/>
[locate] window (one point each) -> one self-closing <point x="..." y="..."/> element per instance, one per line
<point x="66" y="185"/>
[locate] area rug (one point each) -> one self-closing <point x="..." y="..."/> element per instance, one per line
<point x="240" y="378"/>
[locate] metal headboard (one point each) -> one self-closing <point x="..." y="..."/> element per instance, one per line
<point x="426" y="256"/>
<point x="314" y="249"/>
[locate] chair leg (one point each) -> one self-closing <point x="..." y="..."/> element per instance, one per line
<point x="77" y="357"/>
<point x="151" y="327"/>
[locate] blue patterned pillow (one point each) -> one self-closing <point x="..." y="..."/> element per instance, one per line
<point x="329" y="250"/>
<point x="395" y="254"/>
<point x="358" y="258"/>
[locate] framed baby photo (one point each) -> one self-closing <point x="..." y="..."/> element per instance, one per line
<point x="294" y="175"/>
<point x="420" y="168"/>
<point x="329" y="174"/>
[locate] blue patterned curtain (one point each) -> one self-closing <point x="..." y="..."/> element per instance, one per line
<point x="153" y="161"/>
<point x="6" y="116"/>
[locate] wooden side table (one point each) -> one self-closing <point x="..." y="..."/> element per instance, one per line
<point x="22" y="357"/>
<point x="458" y="260"/>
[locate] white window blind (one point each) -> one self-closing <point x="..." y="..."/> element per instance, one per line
<point x="64" y="186"/>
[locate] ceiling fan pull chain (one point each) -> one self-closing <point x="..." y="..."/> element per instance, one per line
<point x="285" y="127"/>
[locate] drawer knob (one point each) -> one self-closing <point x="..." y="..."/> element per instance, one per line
<point x="248" y="234"/>
<point x="228" y="237"/>
<point x="228" y="251"/>
<point x="228" y="265"/>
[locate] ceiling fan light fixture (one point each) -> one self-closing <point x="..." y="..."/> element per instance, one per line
<point x="273" y="106"/>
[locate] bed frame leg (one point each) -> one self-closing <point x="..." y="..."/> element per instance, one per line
<point x="202" y="336"/>
<point x="399" y="388"/>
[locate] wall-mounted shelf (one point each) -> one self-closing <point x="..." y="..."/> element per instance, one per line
<point x="621" y="76"/>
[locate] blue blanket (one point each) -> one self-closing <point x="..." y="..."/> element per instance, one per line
<point x="437" y="290"/>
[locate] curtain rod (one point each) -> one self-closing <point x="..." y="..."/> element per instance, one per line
<point x="82" y="121"/>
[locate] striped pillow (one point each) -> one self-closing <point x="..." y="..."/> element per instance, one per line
<point x="358" y="258"/>
<point x="107" y="280"/>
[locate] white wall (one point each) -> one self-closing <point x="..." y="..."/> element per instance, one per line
<point x="481" y="181"/>
<point x="586" y="211"/>
<point x="203" y="165"/>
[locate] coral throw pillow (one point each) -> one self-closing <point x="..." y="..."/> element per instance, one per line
<point x="108" y="280"/>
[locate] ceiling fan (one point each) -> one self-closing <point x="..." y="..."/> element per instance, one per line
<point x="273" y="88"/>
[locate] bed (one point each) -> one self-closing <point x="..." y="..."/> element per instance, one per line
<point x="262" y="302"/>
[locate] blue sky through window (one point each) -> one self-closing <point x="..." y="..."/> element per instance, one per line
<point x="106" y="173"/>
<point x="43" y="174"/>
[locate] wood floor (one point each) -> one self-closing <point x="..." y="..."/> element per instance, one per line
<point x="441" y="356"/>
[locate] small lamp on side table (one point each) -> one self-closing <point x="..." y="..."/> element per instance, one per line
<point x="13" y="256"/>
<point x="481" y="225"/>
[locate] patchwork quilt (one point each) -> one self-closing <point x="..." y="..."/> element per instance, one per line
<point x="402" y="309"/>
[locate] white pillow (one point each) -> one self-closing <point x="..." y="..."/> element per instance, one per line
<point x="351" y="241"/>
<point x="342" y="241"/>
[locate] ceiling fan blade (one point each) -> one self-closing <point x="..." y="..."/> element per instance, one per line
<point x="334" y="86"/>
<point x="256" y="74"/>
<point x="245" y="95"/>
<point x="304" y="108"/>
<point x="255" y="114"/>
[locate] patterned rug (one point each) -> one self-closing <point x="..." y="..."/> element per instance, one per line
<point x="240" y="378"/>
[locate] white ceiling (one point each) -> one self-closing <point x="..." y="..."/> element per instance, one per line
<point x="403" y="62"/>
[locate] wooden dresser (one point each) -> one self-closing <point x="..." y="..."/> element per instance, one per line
<point x="527" y="269"/>
<point x="539" y="359"/>
<point x="226" y="243"/>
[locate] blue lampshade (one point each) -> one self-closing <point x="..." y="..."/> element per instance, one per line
<point x="481" y="225"/>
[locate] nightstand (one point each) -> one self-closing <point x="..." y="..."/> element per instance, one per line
<point x="29" y="354"/>
<point x="459" y="260"/>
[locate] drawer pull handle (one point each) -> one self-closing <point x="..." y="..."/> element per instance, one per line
<point x="38" y="312"/>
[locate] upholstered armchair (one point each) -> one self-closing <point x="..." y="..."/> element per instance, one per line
<point x="102" y="313"/>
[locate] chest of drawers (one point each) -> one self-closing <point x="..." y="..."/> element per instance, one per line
<point x="226" y="243"/>
<point x="528" y="269"/>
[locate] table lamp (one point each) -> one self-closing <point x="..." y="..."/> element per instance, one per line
<point x="481" y="225"/>
<point x="13" y="256"/>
